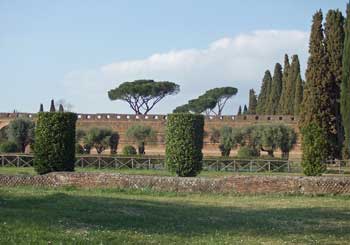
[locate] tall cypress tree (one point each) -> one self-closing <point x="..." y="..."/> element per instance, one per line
<point x="52" y="106"/>
<point x="294" y="72"/>
<point x="334" y="44"/>
<point x="245" y="110"/>
<point x="298" y="98"/>
<point x="264" y="93"/>
<point x="345" y="87"/>
<point x="283" y="98"/>
<point x="239" y="111"/>
<point x="276" y="89"/>
<point x="316" y="107"/>
<point x="252" y="102"/>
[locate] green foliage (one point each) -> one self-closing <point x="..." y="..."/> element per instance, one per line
<point x="226" y="141"/>
<point x="113" y="142"/>
<point x="314" y="155"/>
<point x="245" y="110"/>
<point x="239" y="111"/>
<point x="55" y="142"/>
<point x="246" y="152"/>
<point x="129" y="150"/>
<point x="8" y="147"/>
<point x="263" y="98"/>
<point x="345" y="88"/>
<point x="252" y="102"/>
<point x="298" y="98"/>
<point x="318" y="101"/>
<point x="141" y="134"/>
<point x="21" y="132"/>
<point x="143" y="95"/>
<point x="283" y="103"/>
<point x="184" y="143"/>
<point x="275" y="93"/>
<point x="211" y="99"/>
<point x="99" y="138"/>
<point x="52" y="106"/>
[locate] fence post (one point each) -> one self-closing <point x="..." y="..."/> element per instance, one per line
<point x="269" y="164"/>
<point x="18" y="161"/>
<point x="250" y="166"/>
<point x="149" y="163"/>
<point x="234" y="165"/>
<point x="132" y="163"/>
<point x="3" y="160"/>
<point x="288" y="166"/>
<point x="99" y="162"/>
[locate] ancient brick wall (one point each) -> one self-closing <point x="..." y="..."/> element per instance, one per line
<point x="121" y="122"/>
<point x="233" y="184"/>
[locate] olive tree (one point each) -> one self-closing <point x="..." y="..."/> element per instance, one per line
<point x="99" y="138"/>
<point x="143" y="95"/>
<point x="21" y="132"/>
<point x="141" y="134"/>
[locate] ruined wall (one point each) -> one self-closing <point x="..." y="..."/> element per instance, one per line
<point x="121" y="122"/>
<point x="234" y="184"/>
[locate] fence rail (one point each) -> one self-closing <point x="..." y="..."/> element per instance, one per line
<point x="158" y="163"/>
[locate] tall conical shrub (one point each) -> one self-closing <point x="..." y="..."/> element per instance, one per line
<point x="52" y="106"/>
<point x="334" y="43"/>
<point x="276" y="89"/>
<point x="316" y="108"/>
<point x="345" y="87"/>
<point x="283" y="99"/>
<point x="252" y="102"/>
<point x="264" y="93"/>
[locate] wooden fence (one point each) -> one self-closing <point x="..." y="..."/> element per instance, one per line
<point x="158" y="163"/>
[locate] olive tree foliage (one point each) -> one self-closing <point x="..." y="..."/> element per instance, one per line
<point x="143" y="95"/>
<point x="212" y="101"/>
<point x="21" y="132"/>
<point x="141" y="135"/>
<point x="98" y="138"/>
<point x="267" y="138"/>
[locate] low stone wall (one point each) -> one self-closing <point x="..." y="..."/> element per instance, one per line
<point x="233" y="184"/>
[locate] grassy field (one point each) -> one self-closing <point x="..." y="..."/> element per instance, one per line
<point x="109" y="216"/>
<point x="210" y="174"/>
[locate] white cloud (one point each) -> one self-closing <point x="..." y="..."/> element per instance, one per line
<point x="239" y="61"/>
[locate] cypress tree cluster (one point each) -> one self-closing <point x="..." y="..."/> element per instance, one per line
<point x="283" y="93"/>
<point x="318" y="103"/>
<point x="345" y="87"/>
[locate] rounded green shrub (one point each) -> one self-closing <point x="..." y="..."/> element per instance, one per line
<point x="184" y="143"/>
<point x="129" y="150"/>
<point x="54" y="148"/>
<point x="8" y="147"/>
<point x="247" y="152"/>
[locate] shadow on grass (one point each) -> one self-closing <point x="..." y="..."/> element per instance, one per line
<point x="68" y="211"/>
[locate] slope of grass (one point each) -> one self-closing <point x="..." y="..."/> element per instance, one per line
<point x="109" y="216"/>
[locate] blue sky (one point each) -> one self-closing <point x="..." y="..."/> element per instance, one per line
<point x="77" y="50"/>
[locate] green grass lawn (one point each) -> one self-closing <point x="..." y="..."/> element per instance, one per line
<point x="210" y="174"/>
<point x="110" y="216"/>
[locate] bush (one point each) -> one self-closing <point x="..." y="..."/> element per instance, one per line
<point x="184" y="143"/>
<point x="314" y="145"/>
<point x="54" y="148"/>
<point x="129" y="150"/>
<point x="141" y="134"/>
<point x="247" y="152"/>
<point x="8" y="147"/>
<point x="21" y="132"/>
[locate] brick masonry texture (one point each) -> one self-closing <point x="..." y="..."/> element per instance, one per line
<point x="233" y="184"/>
